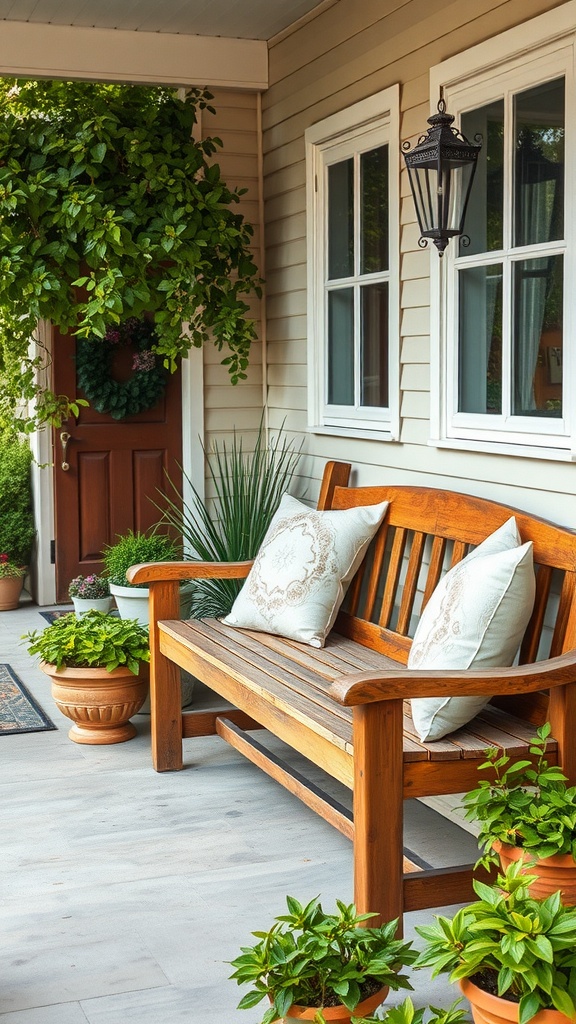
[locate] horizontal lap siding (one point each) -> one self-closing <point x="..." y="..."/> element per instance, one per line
<point x="348" y="53"/>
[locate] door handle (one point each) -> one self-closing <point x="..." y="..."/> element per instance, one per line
<point x="64" y="438"/>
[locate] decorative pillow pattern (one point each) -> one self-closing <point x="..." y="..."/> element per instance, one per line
<point x="299" y="577"/>
<point x="476" y="616"/>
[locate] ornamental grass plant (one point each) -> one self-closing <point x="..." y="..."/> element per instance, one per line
<point x="247" y="486"/>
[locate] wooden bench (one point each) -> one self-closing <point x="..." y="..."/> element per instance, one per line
<point x="344" y="707"/>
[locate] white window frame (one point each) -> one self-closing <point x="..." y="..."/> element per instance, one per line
<point x="364" y="126"/>
<point x="537" y="51"/>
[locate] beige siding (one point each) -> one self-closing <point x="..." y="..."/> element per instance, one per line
<point x="351" y="51"/>
<point x="236" y="123"/>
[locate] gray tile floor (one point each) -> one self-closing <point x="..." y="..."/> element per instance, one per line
<point x="124" y="893"/>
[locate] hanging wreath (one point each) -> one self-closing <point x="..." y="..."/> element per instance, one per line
<point x="121" y="398"/>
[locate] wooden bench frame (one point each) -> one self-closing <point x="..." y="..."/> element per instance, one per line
<point x="382" y="761"/>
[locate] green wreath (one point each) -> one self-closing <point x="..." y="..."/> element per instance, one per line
<point x="93" y="370"/>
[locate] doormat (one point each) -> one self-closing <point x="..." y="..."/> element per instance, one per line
<point x="19" y="712"/>
<point x="52" y="616"/>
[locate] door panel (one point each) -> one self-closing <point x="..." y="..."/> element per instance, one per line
<point x="116" y="469"/>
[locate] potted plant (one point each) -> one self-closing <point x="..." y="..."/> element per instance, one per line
<point x="98" y="668"/>
<point x="130" y="549"/>
<point x="17" y="530"/>
<point x="527" y="812"/>
<point x="90" y="593"/>
<point x="322" y="967"/>
<point x="513" y="955"/>
<point x="406" y="1013"/>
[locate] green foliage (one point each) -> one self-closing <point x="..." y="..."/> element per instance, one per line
<point x="248" y="489"/>
<point x="526" y="945"/>
<point x="93" y="640"/>
<point x="309" y="957"/>
<point x="133" y="548"/>
<point x="89" y="587"/>
<point x="524" y="805"/>
<point x="143" y="387"/>
<point x="16" y="515"/>
<point x="110" y="209"/>
<point x="405" y="1013"/>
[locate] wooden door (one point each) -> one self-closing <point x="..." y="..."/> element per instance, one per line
<point x="116" y="468"/>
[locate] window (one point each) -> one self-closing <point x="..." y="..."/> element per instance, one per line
<point x="504" y="353"/>
<point x="352" y="175"/>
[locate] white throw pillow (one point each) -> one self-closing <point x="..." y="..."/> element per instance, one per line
<point x="299" y="577"/>
<point x="476" y="617"/>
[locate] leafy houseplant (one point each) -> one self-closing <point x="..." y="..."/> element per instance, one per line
<point x="247" y="488"/>
<point x="9" y="570"/>
<point x="318" y="960"/>
<point x="508" y="945"/>
<point x="134" y="547"/>
<point x="406" y="1013"/>
<point x="96" y="663"/>
<point x="89" y="587"/>
<point x="527" y="809"/>
<point x="112" y="209"/>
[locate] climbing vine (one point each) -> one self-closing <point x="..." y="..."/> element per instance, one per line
<point x="109" y="209"/>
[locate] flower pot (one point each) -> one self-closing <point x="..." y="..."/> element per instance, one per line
<point x="553" y="873"/>
<point x="489" y="1009"/>
<point x="339" y="1014"/>
<point x="87" y="604"/>
<point x="132" y="602"/>
<point x="10" y="590"/>
<point x="100" y="703"/>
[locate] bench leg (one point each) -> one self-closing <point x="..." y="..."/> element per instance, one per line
<point x="378" y="809"/>
<point x="165" y="689"/>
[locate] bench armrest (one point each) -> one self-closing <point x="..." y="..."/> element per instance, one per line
<point x="153" y="572"/>
<point x="366" y="688"/>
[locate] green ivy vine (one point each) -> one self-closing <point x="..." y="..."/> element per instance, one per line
<point x="109" y="209"/>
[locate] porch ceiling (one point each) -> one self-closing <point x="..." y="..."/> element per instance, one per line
<point x="241" y="19"/>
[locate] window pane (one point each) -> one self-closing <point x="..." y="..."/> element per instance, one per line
<point x="374" y="381"/>
<point x="341" y="347"/>
<point x="374" y="210"/>
<point x="480" y="339"/>
<point x="484" y="223"/>
<point x="538" y="337"/>
<point x="539" y="171"/>
<point x="341" y="220"/>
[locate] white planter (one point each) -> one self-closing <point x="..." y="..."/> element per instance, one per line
<point x="132" y="602"/>
<point x="87" y="604"/>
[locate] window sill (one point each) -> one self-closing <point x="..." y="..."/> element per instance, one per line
<point x="361" y="433"/>
<point x="523" y="451"/>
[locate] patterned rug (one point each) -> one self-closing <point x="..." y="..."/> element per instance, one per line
<point x="52" y="616"/>
<point x="19" y="712"/>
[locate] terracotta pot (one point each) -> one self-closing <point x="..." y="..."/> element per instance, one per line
<point x="489" y="1009"/>
<point x="10" y="590"/>
<point x="553" y="873"/>
<point x="339" y="1014"/>
<point x="100" y="703"/>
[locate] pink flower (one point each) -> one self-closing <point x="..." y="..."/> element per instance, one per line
<point x="144" y="361"/>
<point x="4" y="558"/>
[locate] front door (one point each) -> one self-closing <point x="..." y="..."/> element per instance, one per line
<point x="115" y="470"/>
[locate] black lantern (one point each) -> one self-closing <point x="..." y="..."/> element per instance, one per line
<point x="441" y="170"/>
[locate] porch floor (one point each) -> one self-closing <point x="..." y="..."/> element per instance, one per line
<point x="125" y="892"/>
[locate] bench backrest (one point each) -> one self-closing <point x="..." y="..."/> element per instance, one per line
<point x="425" y="532"/>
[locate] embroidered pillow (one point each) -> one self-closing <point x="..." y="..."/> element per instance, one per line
<point x="300" y="575"/>
<point x="475" y="617"/>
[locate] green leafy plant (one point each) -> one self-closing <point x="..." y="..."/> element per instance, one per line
<point x="524" y="804"/>
<point x="511" y="944"/>
<point x="131" y="549"/>
<point x="310" y="958"/>
<point x="17" y="530"/>
<point x="406" y="1013"/>
<point x="111" y="209"/>
<point x="94" y="640"/>
<point x="89" y="587"/>
<point x="10" y="570"/>
<point x="247" y="490"/>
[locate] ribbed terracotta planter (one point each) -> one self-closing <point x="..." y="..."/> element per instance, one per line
<point x="100" y="703"/>
<point x="489" y="1009"/>
<point x="338" y="1014"/>
<point x="10" y="590"/>
<point x="552" y="873"/>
